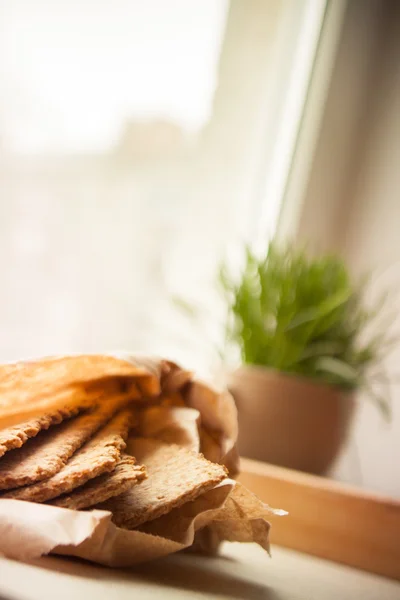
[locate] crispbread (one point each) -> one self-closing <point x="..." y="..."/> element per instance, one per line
<point x="44" y="455"/>
<point x="17" y="435"/>
<point x="99" y="455"/>
<point x="175" y="476"/>
<point x="125" y="475"/>
<point x="29" y="389"/>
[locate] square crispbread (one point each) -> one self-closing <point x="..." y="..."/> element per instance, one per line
<point x="15" y="436"/>
<point x="99" y="455"/>
<point x="28" y="389"/>
<point x="44" y="455"/>
<point x="125" y="475"/>
<point x="175" y="476"/>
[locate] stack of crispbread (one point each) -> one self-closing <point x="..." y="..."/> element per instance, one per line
<point x="64" y="427"/>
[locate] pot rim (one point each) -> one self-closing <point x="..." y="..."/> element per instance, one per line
<point x="261" y="371"/>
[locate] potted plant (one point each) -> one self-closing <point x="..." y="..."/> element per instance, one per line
<point x="301" y="327"/>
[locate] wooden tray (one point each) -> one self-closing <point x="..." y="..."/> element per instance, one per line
<point x="329" y="519"/>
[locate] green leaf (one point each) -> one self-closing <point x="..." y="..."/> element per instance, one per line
<point x="318" y="312"/>
<point x="337" y="368"/>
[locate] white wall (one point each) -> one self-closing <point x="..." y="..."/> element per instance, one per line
<point x="372" y="240"/>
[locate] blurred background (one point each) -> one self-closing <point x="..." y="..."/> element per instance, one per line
<point x="142" y="142"/>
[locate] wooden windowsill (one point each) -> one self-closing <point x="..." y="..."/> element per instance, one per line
<point x="329" y="519"/>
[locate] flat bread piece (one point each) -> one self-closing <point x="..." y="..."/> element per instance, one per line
<point x="72" y="401"/>
<point x="175" y="476"/>
<point x="99" y="455"/>
<point x="15" y="436"/>
<point x="125" y="475"/>
<point x="43" y="456"/>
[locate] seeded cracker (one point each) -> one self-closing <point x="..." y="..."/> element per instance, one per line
<point x="16" y="436"/>
<point x="99" y="455"/>
<point x="44" y="455"/>
<point x="175" y="476"/>
<point x="125" y="475"/>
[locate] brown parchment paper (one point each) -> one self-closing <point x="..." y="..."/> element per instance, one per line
<point x="189" y="413"/>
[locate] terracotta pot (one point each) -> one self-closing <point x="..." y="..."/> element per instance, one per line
<point x="288" y="420"/>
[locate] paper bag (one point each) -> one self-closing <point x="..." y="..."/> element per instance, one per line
<point x="185" y="412"/>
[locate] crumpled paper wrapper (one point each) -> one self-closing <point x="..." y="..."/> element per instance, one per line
<point x="189" y="413"/>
